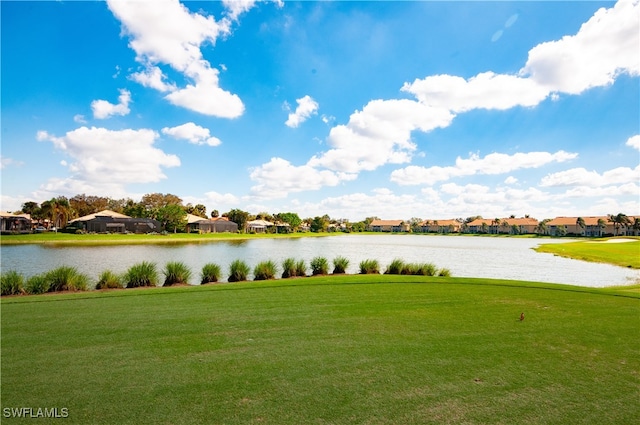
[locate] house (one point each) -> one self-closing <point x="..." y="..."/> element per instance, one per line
<point x="440" y="226"/>
<point x="108" y="221"/>
<point x="15" y="223"/>
<point x="258" y="226"/>
<point x="561" y="226"/>
<point x="213" y="225"/>
<point x="509" y="225"/>
<point x="388" y="226"/>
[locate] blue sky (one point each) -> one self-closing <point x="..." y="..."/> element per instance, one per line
<point x="348" y="108"/>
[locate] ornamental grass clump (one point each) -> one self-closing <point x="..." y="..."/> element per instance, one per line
<point x="109" y="280"/>
<point x="319" y="265"/>
<point x="396" y="267"/>
<point x="289" y="268"/>
<point x="265" y="270"/>
<point x="369" y="267"/>
<point x="176" y="273"/>
<point x="210" y="273"/>
<point x="66" y="278"/>
<point x="141" y="274"/>
<point x="12" y="283"/>
<point x="420" y="269"/>
<point x="238" y="271"/>
<point x="37" y="284"/>
<point x="444" y="272"/>
<point x="340" y="265"/>
<point x="301" y="268"/>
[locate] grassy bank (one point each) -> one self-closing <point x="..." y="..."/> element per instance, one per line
<point x="378" y="349"/>
<point x="69" y="239"/>
<point x="625" y="254"/>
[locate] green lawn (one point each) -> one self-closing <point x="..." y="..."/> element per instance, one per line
<point x="327" y="350"/>
<point x="625" y="254"/>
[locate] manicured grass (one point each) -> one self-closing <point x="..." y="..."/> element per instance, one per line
<point x="625" y="254"/>
<point x="69" y="239"/>
<point x="354" y="349"/>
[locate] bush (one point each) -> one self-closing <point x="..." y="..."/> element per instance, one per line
<point x="11" y="283"/>
<point x="369" y="267"/>
<point x="420" y="269"/>
<point x="238" y="271"/>
<point x="301" y="268"/>
<point x="265" y="270"/>
<point x="395" y="267"/>
<point x="109" y="280"/>
<point x="37" y="285"/>
<point x="141" y="274"/>
<point x="289" y="268"/>
<point x="210" y="273"/>
<point x="66" y="278"/>
<point x="340" y="265"/>
<point x="175" y="273"/>
<point x="319" y="265"/>
<point x="444" y="272"/>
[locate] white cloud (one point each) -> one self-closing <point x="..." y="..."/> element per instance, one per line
<point x="604" y="47"/>
<point x="103" y="109"/>
<point x="169" y="33"/>
<point x="511" y="180"/>
<point x="109" y="159"/>
<point x="495" y="163"/>
<point x="379" y="134"/>
<point x="7" y="162"/>
<point x="193" y="133"/>
<point x="153" y="77"/>
<point x="278" y="177"/>
<point x="582" y="177"/>
<point x="484" y="91"/>
<point x="306" y="107"/>
<point x="634" y="142"/>
<point x="79" y="118"/>
<point x="237" y="7"/>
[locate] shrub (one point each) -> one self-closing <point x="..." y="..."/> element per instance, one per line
<point x="444" y="272"/>
<point x="265" y="270"/>
<point x="11" y="283"/>
<point x="319" y="265"/>
<point x="369" y="267"/>
<point x="210" y="273"/>
<point x="289" y="268"/>
<point x="176" y="272"/>
<point x="37" y="285"/>
<point x="238" y="271"/>
<point x="419" y="269"/>
<point x="109" y="280"/>
<point x="301" y="268"/>
<point x="66" y="278"/>
<point x="396" y="267"/>
<point x="141" y="274"/>
<point x="340" y="265"/>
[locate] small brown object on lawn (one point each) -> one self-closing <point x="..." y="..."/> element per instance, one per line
<point x="521" y="317"/>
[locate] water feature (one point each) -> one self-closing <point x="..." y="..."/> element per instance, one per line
<point x="500" y="258"/>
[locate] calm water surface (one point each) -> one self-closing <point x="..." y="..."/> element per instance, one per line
<point x="500" y="258"/>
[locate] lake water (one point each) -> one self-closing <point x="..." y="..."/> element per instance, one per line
<point x="500" y="258"/>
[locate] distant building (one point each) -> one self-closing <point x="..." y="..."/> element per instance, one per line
<point x="561" y="226"/>
<point x="108" y="221"/>
<point x="15" y="223"/>
<point x="388" y="226"/>
<point x="521" y="226"/>
<point x="212" y="225"/>
<point x="440" y="226"/>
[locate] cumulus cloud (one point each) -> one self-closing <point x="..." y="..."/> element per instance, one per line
<point x="108" y="159"/>
<point x="583" y="177"/>
<point x="604" y="47"/>
<point x="168" y="33"/>
<point x="494" y="163"/>
<point x="103" y="109"/>
<point x="379" y="134"/>
<point x="306" y="107"/>
<point x="192" y="133"/>
<point x="278" y="177"/>
<point x="79" y="118"/>
<point x="634" y="142"/>
<point x="7" y="162"/>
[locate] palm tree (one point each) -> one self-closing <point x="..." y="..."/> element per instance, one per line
<point x="618" y="221"/>
<point x="601" y="225"/>
<point x="636" y="226"/>
<point x="505" y="226"/>
<point x="541" y="228"/>
<point x="495" y="223"/>
<point x="580" y="223"/>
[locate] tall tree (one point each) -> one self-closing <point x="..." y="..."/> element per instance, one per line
<point x="30" y="208"/>
<point x="580" y="223"/>
<point x="173" y="217"/>
<point x="57" y="210"/>
<point x="292" y="219"/>
<point x="619" y="220"/>
<point x="602" y="225"/>
<point x="239" y="217"/>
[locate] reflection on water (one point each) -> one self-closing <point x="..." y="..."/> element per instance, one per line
<point x="500" y="258"/>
